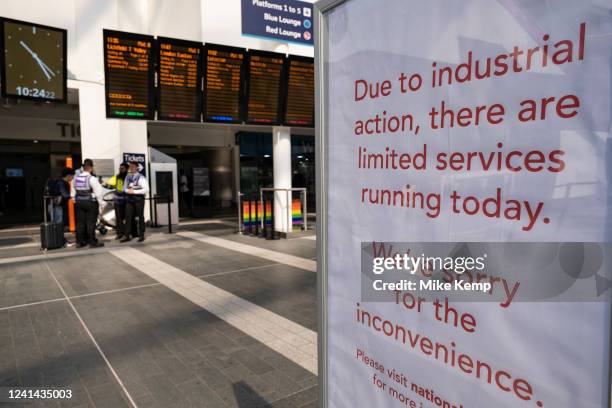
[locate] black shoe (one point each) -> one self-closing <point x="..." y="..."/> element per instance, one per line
<point x="140" y="239"/>
<point x="125" y="239"/>
<point x="96" y="245"/>
<point x="81" y="245"/>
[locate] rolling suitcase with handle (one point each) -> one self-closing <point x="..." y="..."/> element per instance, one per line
<point x="51" y="233"/>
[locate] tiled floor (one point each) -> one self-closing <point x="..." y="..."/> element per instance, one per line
<point x="180" y="321"/>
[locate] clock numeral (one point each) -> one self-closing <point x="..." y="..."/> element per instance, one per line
<point x="35" y="92"/>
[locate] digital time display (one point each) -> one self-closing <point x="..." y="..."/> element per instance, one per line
<point x="33" y="60"/>
<point x="179" y="80"/>
<point x="223" y="83"/>
<point x="129" y="75"/>
<point x="300" y="88"/>
<point x="264" y="91"/>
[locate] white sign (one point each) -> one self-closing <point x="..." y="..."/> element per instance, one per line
<point x="104" y="167"/>
<point x="466" y="121"/>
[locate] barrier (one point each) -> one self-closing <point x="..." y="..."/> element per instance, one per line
<point x="296" y="211"/>
<point x="256" y="215"/>
<point x="152" y="208"/>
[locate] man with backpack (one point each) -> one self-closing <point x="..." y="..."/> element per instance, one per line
<point x="58" y="191"/>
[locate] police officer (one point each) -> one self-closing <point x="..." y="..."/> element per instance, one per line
<point x="88" y="196"/>
<point x="136" y="188"/>
<point x="116" y="182"/>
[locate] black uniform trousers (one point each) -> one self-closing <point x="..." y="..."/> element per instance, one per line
<point x="119" y="206"/>
<point x="86" y="218"/>
<point x="134" y="207"/>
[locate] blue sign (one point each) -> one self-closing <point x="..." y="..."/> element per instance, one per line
<point x="281" y="20"/>
<point x="14" y="172"/>
<point x="137" y="157"/>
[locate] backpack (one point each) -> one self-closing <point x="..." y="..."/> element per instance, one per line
<point x="52" y="188"/>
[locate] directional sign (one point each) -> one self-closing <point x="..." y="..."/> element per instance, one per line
<point x="281" y="20"/>
<point x="138" y="157"/>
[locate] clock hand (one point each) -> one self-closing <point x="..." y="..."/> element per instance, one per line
<point x="28" y="49"/>
<point x="40" y="64"/>
<point x="45" y="66"/>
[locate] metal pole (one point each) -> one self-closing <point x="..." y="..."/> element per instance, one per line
<point x="150" y="208"/>
<point x="250" y="218"/>
<point x="169" y="216"/>
<point x="273" y="218"/>
<point x="261" y="198"/>
<point x="305" y="209"/>
<point x="154" y="206"/>
<point x="264" y="216"/>
<point x="289" y="217"/>
<point x="45" y="208"/>
<point x="239" y="196"/>
<point x="257" y="218"/>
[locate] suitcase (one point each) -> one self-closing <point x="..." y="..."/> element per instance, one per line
<point x="51" y="233"/>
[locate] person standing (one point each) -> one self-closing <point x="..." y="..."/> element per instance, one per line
<point x="59" y="190"/>
<point x="116" y="182"/>
<point x="136" y="188"/>
<point x="88" y="196"/>
<point x="184" y="190"/>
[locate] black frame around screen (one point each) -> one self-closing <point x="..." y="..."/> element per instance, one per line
<point x="199" y="96"/>
<point x="151" y="73"/>
<point x="286" y="90"/>
<point x="243" y="81"/>
<point x="3" y="91"/>
<point x="281" y="102"/>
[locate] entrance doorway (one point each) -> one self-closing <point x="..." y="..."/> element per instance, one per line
<point x="209" y="173"/>
<point x="25" y="167"/>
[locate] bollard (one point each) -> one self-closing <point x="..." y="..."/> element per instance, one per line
<point x="267" y="231"/>
<point x="250" y="217"/>
<point x="256" y="218"/>
<point x="169" y="216"/>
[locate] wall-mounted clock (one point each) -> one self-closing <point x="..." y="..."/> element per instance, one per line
<point x="33" y="60"/>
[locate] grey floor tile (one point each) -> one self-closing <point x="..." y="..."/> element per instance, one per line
<point x="80" y="275"/>
<point x="24" y="283"/>
<point x="284" y="290"/>
<point x="166" y="350"/>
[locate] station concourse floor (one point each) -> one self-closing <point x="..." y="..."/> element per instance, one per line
<point x="202" y="317"/>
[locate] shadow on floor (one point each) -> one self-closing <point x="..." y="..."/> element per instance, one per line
<point x="15" y="241"/>
<point x="247" y="397"/>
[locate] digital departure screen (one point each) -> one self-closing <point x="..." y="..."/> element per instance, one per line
<point x="33" y="59"/>
<point x="265" y="75"/>
<point x="179" y="80"/>
<point x="299" y="105"/>
<point x="223" y="83"/>
<point x="129" y="76"/>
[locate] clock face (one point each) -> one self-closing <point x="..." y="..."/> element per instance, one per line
<point x="34" y="61"/>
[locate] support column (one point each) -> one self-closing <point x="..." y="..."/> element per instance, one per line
<point x="103" y="138"/>
<point x="281" y="157"/>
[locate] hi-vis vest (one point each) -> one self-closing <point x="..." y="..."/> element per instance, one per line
<point x="83" y="189"/>
<point x="117" y="183"/>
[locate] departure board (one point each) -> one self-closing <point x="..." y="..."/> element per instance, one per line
<point x="300" y="89"/>
<point x="33" y="61"/>
<point x="223" y="83"/>
<point x="265" y="75"/>
<point x="179" y="80"/>
<point x="129" y="76"/>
